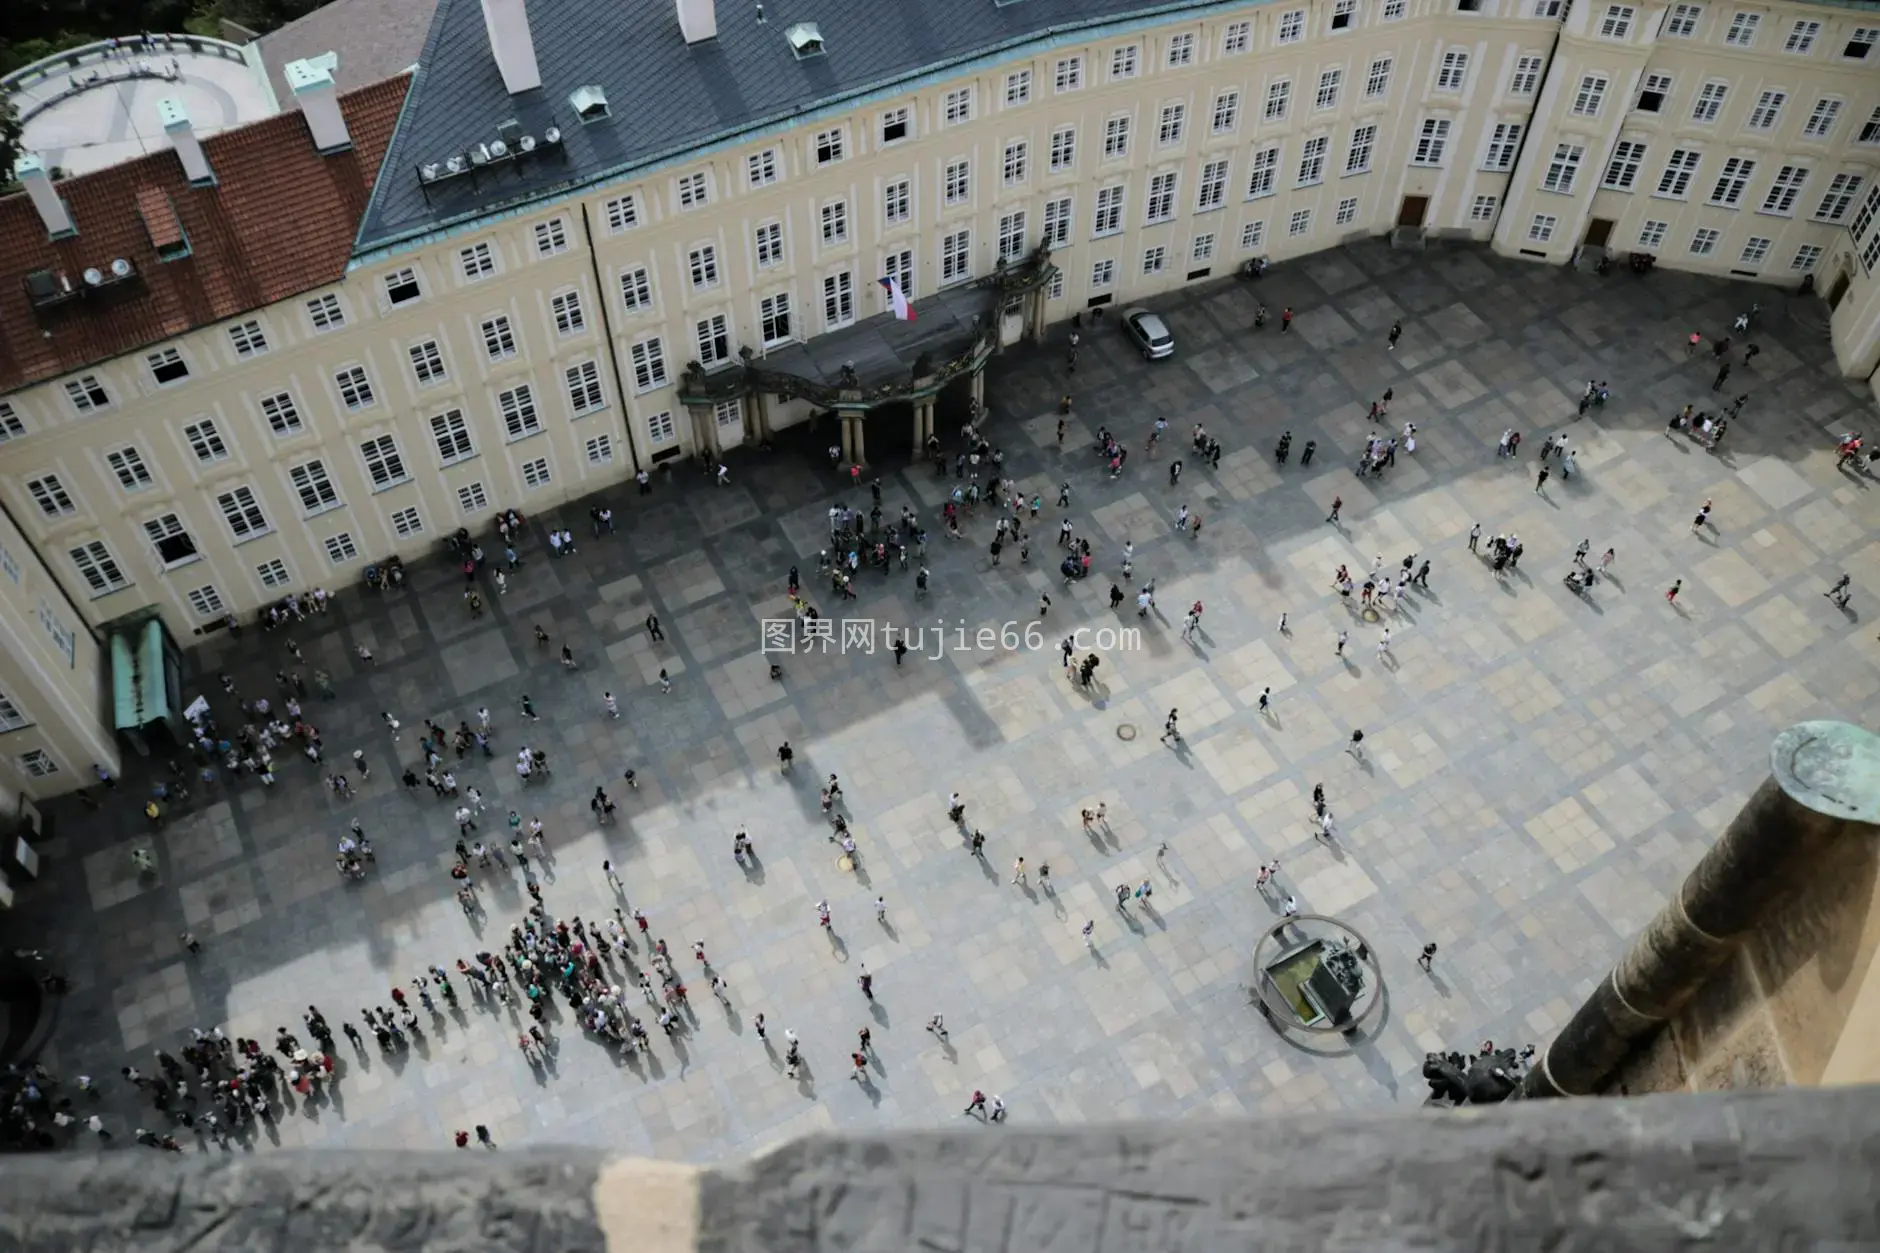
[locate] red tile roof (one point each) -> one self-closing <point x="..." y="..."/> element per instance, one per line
<point x="280" y="220"/>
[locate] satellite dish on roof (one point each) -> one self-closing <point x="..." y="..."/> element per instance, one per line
<point x="93" y="277"/>
<point x="552" y="135"/>
<point x="499" y="149"/>
<point x="429" y="171"/>
<point x="526" y="143"/>
<point x="454" y="165"/>
<point x="121" y="268"/>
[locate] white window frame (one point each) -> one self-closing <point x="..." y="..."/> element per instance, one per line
<point x="249" y="339"/>
<point x="312" y="485"/>
<point x="384" y="463"/>
<point x="476" y="262"/>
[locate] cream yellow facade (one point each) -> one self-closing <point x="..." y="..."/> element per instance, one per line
<point x="535" y="357"/>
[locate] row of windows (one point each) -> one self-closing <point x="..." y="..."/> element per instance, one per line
<point x="1744" y="29"/>
<point x="1707" y="106"/>
<point x="1704" y="242"/>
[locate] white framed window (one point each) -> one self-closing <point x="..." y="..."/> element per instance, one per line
<point x="1202" y="249"/>
<point x="99" y="568"/>
<point x="384" y="465"/>
<point x="897" y="201"/>
<point x="1709" y="102"/>
<point x="11" y="719"/>
<point x="407" y="522"/>
<point x="1675" y="182"/>
<point x="499" y="338"/>
<point x="1329" y="82"/>
<point x="1312" y="160"/>
<point x="1278" y="100"/>
<point x="1453" y="70"/>
<point x="636" y="290"/>
<point x="1154" y="260"/>
<point x="1159" y="206"/>
<point x="769" y="244"/>
<point x="838" y="299"/>
<point x="1860" y="42"/>
<point x="600" y="450"/>
<point x="205" y="441"/>
<point x="1068" y="74"/>
<point x="128" y="464"/>
<point x="535" y="473"/>
<point x="51" y="497"/>
<point x="1392" y="10"/>
<point x="1806" y="258"/>
<point x="956" y="257"/>
<point x="1211" y="188"/>
<point x="1236" y="37"/>
<point x="728" y="413"/>
<point x="1057" y="222"/>
<point x="167" y="366"/>
<point x="1591" y="95"/>
<point x="1343" y="14"/>
<point x="551" y="237"/>
<point x="273" y="573"/>
<point x="894" y="126"/>
<point x="1017" y="88"/>
<point x="1252" y="235"/>
<point x="517" y="406"/>
<point x="1617" y="21"/>
<point x="64" y="639"/>
<point x="1652" y="234"/>
<point x="1870" y="130"/>
<point x="1181" y="50"/>
<point x="355" y="389"/>
<point x="1822" y="118"/>
<point x="11" y="427"/>
<point x="1116" y="137"/>
<point x="248" y="338"/>
<point x="695" y="190"/>
<point x="1541" y="229"/>
<point x="713" y="336"/>
<point x="1503" y="142"/>
<point x="1377" y="79"/>
<point x="1056" y="291"/>
<point x="1292" y="26"/>
<point x="835" y="222"/>
<point x="957" y="105"/>
<point x="1012" y="236"/>
<point x="1432" y="139"/>
<point x="1347" y="211"/>
<point x="37" y="763"/>
<point x="1768" y="109"/>
<point x="243" y="513"/>
<point x="478" y="261"/>
<point x="324" y="313"/>
<point x="471" y="498"/>
<point x="1682" y="22"/>
<point x="760" y="168"/>
<point x="1226" y="112"/>
<point x="1563" y="170"/>
<point x="1102" y="274"/>
<point x="1755" y="251"/>
<point x="1108" y="218"/>
<point x="206" y="601"/>
<point x="311" y="484"/>
<point x="1172" y="123"/>
<point x="1622" y="170"/>
<point x="1527" y="74"/>
<point x="1124" y="61"/>
<point x="1704" y="242"/>
<point x="566" y="309"/>
<point x="649" y="364"/>
<point x="702" y="264"/>
<point x="661" y="429"/>
<point x="1731" y="182"/>
<point x="830" y="146"/>
<point x="1017" y="162"/>
<point x="1482" y="208"/>
<point x="281" y="414"/>
<point x="1842" y="189"/>
<point x="1785" y="190"/>
<point x="1652" y="95"/>
<point x="427" y="362"/>
<point x="773" y="317"/>
<point x="957" y="182"/>
<point x="401" y="287"/>
<point x="1063" y="148"/>
<point x="622" y="213"/>
<point x="1358" y="155"/>
<point x="1300" y="223"/>
<point x="451" y="433"/>
<point x="1742" y="32"/>
<point x="1264" y="176"/>
<point x="1802" y="36"/>
<point x="583" y="383"/>
<point x="340" y="548"/>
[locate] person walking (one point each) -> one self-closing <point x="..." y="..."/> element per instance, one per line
<point x="613" y="706"/>
<point x="1396" y="332"/>
<point x="1338" y="650"/>
<point x="1702" y="519"/>
<point x="1671" y="593"/>
<point x="1427" y="955"/>
<point x="1285" y="319"/>
<point x="1018" y="872"/>
<point x="1540" y="480"/>
<point x="1170" y="729"/>
<point x="1356" y="745"/>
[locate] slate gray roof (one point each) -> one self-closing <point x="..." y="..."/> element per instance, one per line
<point x="375" y="40"/>
<point x="665" y="97"/>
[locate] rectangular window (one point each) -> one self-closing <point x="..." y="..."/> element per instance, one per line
<point x="243" y="513"/>
<point x="760" y="168"/>
<point x="1652" y="234"/>
<point x="1591" y="95"/>
<point x="1541" y="229"/>
<point x="1292" y="25"/>
<point x="499" y="340"/>
<point x="702" y="261"/>
<point x="661" y="429"/>
<point x="11" y="719"/>
<point x="956" y="257"/>
<point x="1068" y="74"/>
<point x="1252" y="235"/>
<point x="340" y="549"/>
<point x="1102" y="274"/>
<point x="478" y="261"/>
<point x="1861" y="42"/>
<point x="206" y="601"/>
<point x="623" y="213"/>
<point x="1755" y="251"/>
<point x="1731" y="182"/>
<point x="451" y="433"/>
<point x="1675" y="182"/>
<point x="773" y="316"/>
<point x="1806" y="257"/>
<point x="1063" y="148"/>
<point x="1622" y="171"/>
<point x="535" y="473"/>
<point x="957" y="182"/>
<point x="401" y="287"/>
<point x="838" y="300"/>
<point x="1802" y="36"/>
<point x="1347" y="211"/>
<point x="1116" y="137"/>
<point x="1160" y="205"/>
<point x="325" y="314"/>
<point x="355" y="389"/>
<point x="383" y="463"/>
<point x="1343" y="12"/>
<point x="566" y="310"/>
<point x="769" y="241"/>
<point x="584" y="388"/>
<point x="1454" y="68"/>
<point x="273" y="573"/>
<point x="835" y="222"/>
<point x="1181" y="50"/>
<point x="1704" y="242"/>
<point x="1226" y="112"/>
<point x="1017" y="162"/>
<point x="1786" y="190"/>
<point x="1432" y="139"/>
<point x="958" y="105"/>
<point x="1768" y="109"/>
<point x="1278" y="100"/>
<point x="281" y="414"/>
<point x="1651" y="96"/>
<point x="38" y="763"/>
<point x="1377" y="79"/>
<point x="897" y="202"/>
<point x="471" y="498"/>
<point x="132" y="474"/>
<point x="1109" y="214"/>
<point x="311" y="484"/>
<point x="1870" y="131"/>
<point x="830" y="146"/>
<point x="1503" y="142"/>
<point x="1742" y="32"/>
<point x="1682" y="23"/>
<point x="894" y="126"/>
<point x="1821" y="120"/>
<point x="1833" y="207"/>
<point x="1017" y="88"/>
<point x="99" y="568"/>
<point x="1358" y="156"/>
<point x="1329" y="83"/>
<point x="713" y="336"/>
<point x="649" y="365"/>
<point x="1154" y="260"/>
<point x="517" y="405"/>
<point x="51" y="497"/>
<point x="1235" y="38"/>
<point x="1211" y="191"/>
<point x="1617" y="23"/>
<point x="427" y="363"/>
<point x="600" y="450"/>
<point x="551" y="237"/>
<point x="694" y="190"/>
<point x="899" y="266"/>
<point x="1482" y="209"/>
<point x="11" y="427"/>
<point x="1527" y="73"/>
<point x="1173" y="122"/>
<point x="407" y="522"/>
<point x="1057" y="221"/>
<point x="1012" y="236"/>
<point x="1312" y="161"/>
<point x="167" y="366"/>
<point x="1265" y="174"/>
<point x="64" y="640"/>
<point x="1203" y="249"/>
<point x="1123" y="62"/>
<point x="636" y="290"/>
<point x="205" y="441"/>
<point x="248" y="338"/>
<point x="1709" y="102"/>
<point x="1564" y="169"/>
<point x="1301" y="223"/>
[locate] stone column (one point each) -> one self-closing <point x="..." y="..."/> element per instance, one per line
<point x="853" y="450"/>
<point x="704" y="429"/>
<point x="979" y="387"/>
<point x="1824" y="788"/>
<point x="758" y="416"/>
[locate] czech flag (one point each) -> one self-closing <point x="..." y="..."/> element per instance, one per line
<point x="896" y="297"/>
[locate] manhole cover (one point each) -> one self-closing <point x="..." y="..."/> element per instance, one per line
<point x="1127" y="731"/>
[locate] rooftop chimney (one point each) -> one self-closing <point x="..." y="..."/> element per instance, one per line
<point x="511" y="44"/>
<point x="312" y="85"/>
<point x="698" y="20"/>
<point x="175" y="120"/>
<point x="33" y="175"/>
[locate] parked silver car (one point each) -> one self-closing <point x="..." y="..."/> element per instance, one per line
<point x="1151" y="334"/>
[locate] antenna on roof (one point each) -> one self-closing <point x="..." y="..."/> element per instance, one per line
<point x="760" y="14"/>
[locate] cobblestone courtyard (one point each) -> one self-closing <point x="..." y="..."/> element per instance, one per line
<point x="1542" y="767"/>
